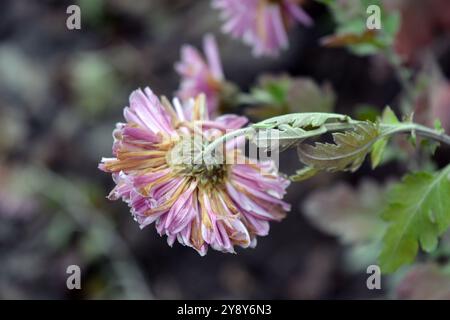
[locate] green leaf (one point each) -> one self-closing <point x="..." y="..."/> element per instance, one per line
<point x="388" y="117"/>
<point x="301" y="120"/>
<point x="304" y="174"/>
<point x="93" y="80"/>
<point x="352" y="32"/>
<point x="276" y="95"/>
<point x="346" y="154"/>
<point x="284" y="131"/>
<point x="366" y="112"/>
<point x="419" y="212"/>
<point x="438" y="125"/>
<point x="376" y="156"/>
<point x="284" y="136"/>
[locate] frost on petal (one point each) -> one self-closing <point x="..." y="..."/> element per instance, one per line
<point x="223" y="206"/>
<point x="147" y="111"/>
<point x="123" y="188"/>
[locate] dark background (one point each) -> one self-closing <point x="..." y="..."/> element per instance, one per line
<point x="61" y="93"/>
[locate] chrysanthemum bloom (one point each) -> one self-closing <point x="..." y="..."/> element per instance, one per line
<point x="201" y="74"/>
<point x="218" y="205"/>
<point x="263" y="24"/>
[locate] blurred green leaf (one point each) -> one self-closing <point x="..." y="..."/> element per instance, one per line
<point x="92" y="11"/>
<point x="349" y="213"/>
<point x="94" y="83"/>
<point x="277" y="95"/>
<point x="352" y="32"/>
<point x="60" y="231"/>
<point x="366" y="112"/>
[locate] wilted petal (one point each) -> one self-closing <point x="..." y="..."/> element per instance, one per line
<point x="198" y="206"/>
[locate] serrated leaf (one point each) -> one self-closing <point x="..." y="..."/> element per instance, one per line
<point x="284" y="131"/>
<point x="283" y="137"/>
<point x="301" y="120"/>
<point x="419" y="212"/>
<point x="346" y="154"/>
<point x="376" y="155"/>
<point x="304" y="174"/>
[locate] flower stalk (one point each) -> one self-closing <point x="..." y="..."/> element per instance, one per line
<point x="387" y="130"/>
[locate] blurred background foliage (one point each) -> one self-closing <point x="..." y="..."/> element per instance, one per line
<point x="61" y="92"/>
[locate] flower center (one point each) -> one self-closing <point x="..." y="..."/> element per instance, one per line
<point x="184" y="158"/>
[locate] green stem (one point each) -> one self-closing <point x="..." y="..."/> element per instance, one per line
<point x="388" y="130"/>
<point x="249" y="130"/>
<point x="418" y="129"/>
<point x="221" y="140"/>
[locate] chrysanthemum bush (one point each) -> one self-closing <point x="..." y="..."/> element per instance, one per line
<point x="187" y="169"/>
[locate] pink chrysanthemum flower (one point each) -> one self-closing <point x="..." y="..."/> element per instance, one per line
<point x="201" y="74"/>
<point x="262" y="24"/>
<point x="220" y="205"/>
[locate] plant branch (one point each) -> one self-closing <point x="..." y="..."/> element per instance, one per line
<point x="387" y="130"/>
<point x="418" y="129"/>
